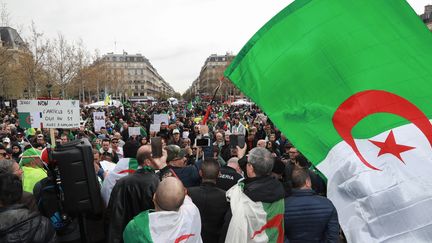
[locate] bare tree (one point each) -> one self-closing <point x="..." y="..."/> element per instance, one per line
<point x="83" y="60"/>
<point x="34" y="60"/>
<point x="62" y="63"/>
<point x="4" y="15"/>
<point x="6" y="62"/>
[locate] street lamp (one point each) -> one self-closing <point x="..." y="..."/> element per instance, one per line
<point x="49" y="87"/>
<point x="26" y="93"/>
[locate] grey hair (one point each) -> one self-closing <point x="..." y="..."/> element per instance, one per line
<point x="261" y="160"/>
<point x="233" y="160"/>
<point x="6" y="166"/>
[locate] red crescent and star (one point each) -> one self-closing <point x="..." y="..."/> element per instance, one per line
<point x="368" y="102"/>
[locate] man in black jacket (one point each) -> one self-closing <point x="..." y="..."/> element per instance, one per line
<point x="229" y="174"/>
<point x="17" y="223"/>
<point x="210" y="200"/>
<point x="304" y="207"/>
<point x="134" y="193"/>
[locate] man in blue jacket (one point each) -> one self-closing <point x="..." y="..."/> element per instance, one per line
<point x="309" y="217"/>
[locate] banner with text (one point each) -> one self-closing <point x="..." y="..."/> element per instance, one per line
<point x="158" y="118"/>
<point x="98" y="120"/>
<point x="51" y="113"/>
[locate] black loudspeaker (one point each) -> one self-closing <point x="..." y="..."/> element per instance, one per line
<point x="78" y="178"/>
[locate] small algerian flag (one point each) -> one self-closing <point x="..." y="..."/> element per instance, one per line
<point x="349" y="83"/>
<point x="254" y="221"/>
<point x="124" y="167"/>
<point x="166" y="226"/>
<point x="190" y="106"/>
<point x="30" y="119"/>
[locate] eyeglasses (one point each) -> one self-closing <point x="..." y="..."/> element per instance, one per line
<point x="115" y="142"/>
<point x="4" y="154"/>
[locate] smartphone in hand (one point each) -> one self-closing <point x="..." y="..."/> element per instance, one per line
<point x="156" y="145"/>
<point x="202" y="142"/>
<point x="237" y="140"/>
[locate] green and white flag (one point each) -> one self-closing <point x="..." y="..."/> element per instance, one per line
<point x="349" y="83"/>
<point x="182" y="226"/>
<point x="124" y="167"/>
<point x="30" y="119"/>
<point x="255" y="222"/>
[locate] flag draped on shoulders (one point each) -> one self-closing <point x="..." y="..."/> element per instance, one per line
<point x="254" y="221"/>
<point x="166" y="226"/>
<point x="124" y="167"/>
<point x="349" y="83"/>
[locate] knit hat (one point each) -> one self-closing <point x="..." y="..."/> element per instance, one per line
<point x="175" y="152"/>
<point x="29" y="155"/>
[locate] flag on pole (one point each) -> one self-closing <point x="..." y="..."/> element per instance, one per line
<point x="107" y="100"/>
<point x="349" y="83"/>
<point x="190" y="106"/>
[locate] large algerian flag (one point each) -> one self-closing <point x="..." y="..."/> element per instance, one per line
<point x="124" y="167"/>
<point x="183" y="226"/>
<point x="350" y="84"/>
<point x="251" y="221"/>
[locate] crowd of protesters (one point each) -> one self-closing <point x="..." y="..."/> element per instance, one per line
<point x="186" y="187"/>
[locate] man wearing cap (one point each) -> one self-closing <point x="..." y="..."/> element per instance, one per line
<point x="40" y="141"/>
<point x="175" y="139"/>
<point x="176" y="160"/>
<point x="32" y="169"/>
<point x="6" y="142"/>
<point x="20" y="139"/>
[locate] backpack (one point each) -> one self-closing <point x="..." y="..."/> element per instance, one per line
<point x="49" y="204"/>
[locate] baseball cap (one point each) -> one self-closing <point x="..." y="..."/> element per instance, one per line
<point x="176" y="131"/>
<point x="175" y="152"/>
<point x="6" y="140"/>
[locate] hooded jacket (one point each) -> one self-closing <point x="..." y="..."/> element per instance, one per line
<point x="20" y="225"/>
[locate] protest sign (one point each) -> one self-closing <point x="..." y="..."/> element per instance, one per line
<point x="158" y="118"/>
<point x="134" y="131"/>
<point x="154" y="127"/>
<point x="52" y="113"/>
<point x="98" y="120"/>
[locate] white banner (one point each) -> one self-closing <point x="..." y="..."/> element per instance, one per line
<point x="134" y="131"/>
<point x="158" y="118"/>
<point x="54" y="113"/>
<point x="98" y="120"/>
<point x="154" y="127"/>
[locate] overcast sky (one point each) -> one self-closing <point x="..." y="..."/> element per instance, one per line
<point x="175" y="35"/>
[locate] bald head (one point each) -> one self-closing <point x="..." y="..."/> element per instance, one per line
<point x="143" y="154"/>
<point x="169" y="195"/>
<point x="261" y="143"/>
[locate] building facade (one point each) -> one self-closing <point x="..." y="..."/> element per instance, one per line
<point x="12" y="50"/>
<point x="211" y="74"/>
<point x="427" y="16"/>
<point x="132" y="75"/>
